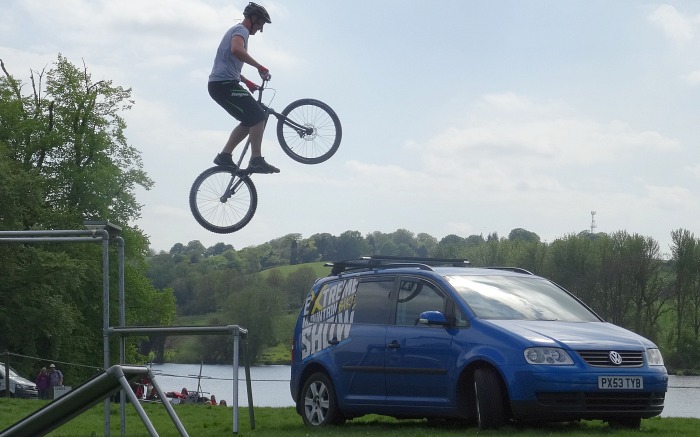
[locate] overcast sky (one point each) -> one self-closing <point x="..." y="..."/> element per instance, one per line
<point x="459" y="117"/>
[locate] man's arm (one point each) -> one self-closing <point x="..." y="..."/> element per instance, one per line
<point x="238" y="50"/>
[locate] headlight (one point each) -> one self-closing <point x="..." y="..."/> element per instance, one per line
<point x="547" y="355"/>
<point x="22" y="386"/>
<point x="654" y="357"/>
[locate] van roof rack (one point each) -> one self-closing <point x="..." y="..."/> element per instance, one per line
<point x="370" y="262"/>
<point x="512" y="269"/>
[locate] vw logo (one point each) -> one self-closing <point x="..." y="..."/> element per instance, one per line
<point x="615" y="358"/>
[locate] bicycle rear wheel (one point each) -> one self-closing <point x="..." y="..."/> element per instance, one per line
<point x="309" y="131"/>
<point x="223" y="201"/>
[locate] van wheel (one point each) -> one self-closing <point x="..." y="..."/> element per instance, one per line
<point x="320" y="406"/>
<point x="490" y="412"/>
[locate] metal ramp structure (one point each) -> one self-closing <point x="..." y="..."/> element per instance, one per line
<point x="100" y="387"/>
<point x="116" y="378"/>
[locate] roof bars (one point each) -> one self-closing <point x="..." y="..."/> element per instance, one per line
<point x="512" y="269"/>
<point x="369" y="262"/>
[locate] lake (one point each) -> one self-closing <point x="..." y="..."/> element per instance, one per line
<point x="270" y="386"/>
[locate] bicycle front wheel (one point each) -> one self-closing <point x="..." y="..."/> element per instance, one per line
<point x="309" y="131"/>
<point x="223" y="201"/>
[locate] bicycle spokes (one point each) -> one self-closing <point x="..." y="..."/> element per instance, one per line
<point x="222" y="200"/>
<point x="234" y="185"/>
<point x="309" y="131"/>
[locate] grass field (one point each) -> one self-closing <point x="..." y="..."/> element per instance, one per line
<point x="204" y="421"/>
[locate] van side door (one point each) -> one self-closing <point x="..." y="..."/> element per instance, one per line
<point x="360" y="360"/>
<point x="421" y="357"/>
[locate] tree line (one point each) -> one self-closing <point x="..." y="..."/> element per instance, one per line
<point x="621" y="276"/>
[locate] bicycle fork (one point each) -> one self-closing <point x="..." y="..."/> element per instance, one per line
<point x="233" y="186"/>
<point x="303" y="131"/>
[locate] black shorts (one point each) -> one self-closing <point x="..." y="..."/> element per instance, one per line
<point x="237" y="101"/>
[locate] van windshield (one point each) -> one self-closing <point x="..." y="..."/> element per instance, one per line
<point x="519" y="298"/>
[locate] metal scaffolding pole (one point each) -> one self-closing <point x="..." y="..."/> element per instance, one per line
<point x="101" y="231"/>
<point x="95" y="232"/>
<point x="234" y="330"/>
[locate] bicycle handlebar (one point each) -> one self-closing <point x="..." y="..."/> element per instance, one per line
<point x="261" y="88"/>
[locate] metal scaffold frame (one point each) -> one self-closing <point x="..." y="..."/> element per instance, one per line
<point x="102" y="231"/>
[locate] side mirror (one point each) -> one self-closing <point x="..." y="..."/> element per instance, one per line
<point x="432" y="318"/>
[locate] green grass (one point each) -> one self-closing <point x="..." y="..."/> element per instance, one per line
<point x="204" y="421"/>
<point x="318" y="268"/>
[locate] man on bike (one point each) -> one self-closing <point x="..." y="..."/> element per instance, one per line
<point x="225" y="88"/>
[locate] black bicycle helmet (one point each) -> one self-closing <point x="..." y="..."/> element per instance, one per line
<point x="256" y="9"/>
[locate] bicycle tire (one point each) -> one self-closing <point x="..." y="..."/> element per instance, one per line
<point x="218" y="211"/>
<point x="314" y="147"/>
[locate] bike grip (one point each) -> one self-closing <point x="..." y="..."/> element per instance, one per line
<point x="264" y="73"/>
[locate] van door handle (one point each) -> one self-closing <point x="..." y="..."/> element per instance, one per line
<point x="393" y="345"/>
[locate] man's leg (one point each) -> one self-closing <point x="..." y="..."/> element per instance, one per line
<point x="257" y="162"/>
<point x="256" y="136"/>
<point x="238" y="134"/>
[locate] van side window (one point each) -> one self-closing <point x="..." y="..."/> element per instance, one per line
<point x="416" y="296"/>
<point x="372" y="302"/>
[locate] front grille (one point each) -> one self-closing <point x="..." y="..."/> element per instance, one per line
<point x="602" y="358"/>
<point x="603" y="402"/>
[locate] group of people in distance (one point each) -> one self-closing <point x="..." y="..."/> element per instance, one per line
<point x="46" y="380"/>
<point x="185" y="397"/>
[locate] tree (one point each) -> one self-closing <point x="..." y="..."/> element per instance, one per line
<point x="571" y="261"/>
<point x="297" y="284"/>
<point x="326" y="245"/>
<point x="63" y="146"/>
<point x="255" y="308"/>
<point x="647" y="284"/>
<point x="351" y="245"/>
<point x="475" y="240"/>
<point x="217" y="249"/>
<point x="520" y="234"/>
<point x="686" y="262"/>
<point x="451" y="246"/>
<point x="307" y="251"/>
<point x="426" y="244"/>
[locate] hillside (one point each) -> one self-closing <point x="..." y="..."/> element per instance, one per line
<point x="185" y="349"/>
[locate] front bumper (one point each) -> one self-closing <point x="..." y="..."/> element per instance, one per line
<point x="567" y="393"/>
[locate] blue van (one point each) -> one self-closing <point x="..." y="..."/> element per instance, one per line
<point x="440" y="339"/>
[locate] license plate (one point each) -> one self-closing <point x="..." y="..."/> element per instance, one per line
<point x="620" y="382"/>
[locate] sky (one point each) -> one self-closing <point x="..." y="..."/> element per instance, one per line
<point x="459" y="116"/>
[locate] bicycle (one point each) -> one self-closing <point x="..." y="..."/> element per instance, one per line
<point x="223" y="199"/>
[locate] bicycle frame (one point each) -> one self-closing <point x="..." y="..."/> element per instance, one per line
<point x="300" y="129"/>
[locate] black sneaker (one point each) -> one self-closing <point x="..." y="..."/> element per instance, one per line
<point x="225" y="160"/>
<point x="259" y="165"/>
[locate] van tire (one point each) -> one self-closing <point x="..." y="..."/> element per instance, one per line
<point x="488" y="396"/>
<point x="318" y="404"/>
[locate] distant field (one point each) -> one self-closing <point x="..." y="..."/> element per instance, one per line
<point x="318" y="268"/>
